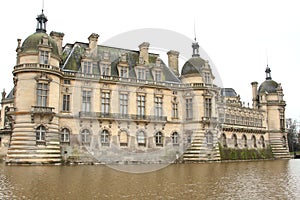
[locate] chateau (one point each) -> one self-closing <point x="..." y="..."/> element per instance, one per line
<point x="86" y="102"/>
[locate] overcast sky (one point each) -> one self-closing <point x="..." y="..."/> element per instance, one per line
<point x="238" y="35"/>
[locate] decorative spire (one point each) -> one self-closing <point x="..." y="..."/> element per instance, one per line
<point x="268" y="73"/>
<point x="195" y="47"/>
<point x="41" y="22"/>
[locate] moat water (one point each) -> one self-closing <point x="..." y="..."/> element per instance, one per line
<point x="279" y="179"/>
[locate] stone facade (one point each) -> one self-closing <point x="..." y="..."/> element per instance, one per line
<point x="90" y="103"/>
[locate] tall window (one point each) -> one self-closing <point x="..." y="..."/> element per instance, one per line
<point x="159" y="139"/>
<point x="175" y="110"/>
<point x="87" y="68"/>
<point x="141" y="138"/>
<point x="85" y="136"/>
<point x="157" y="75"/>
<point x="41" y="134"/>
<point x="65" y="135"/>
<point x="66" y="102"/>
<point x="124" y="72"/>
<point x="158" y="106"/>
<point x="244" y="139"/>
<point x="234" y="138"/>
<point x="175" y="138"/>
<point x="262" y="141"/>
<point x="105" y="138"/>
<point x="42" y="93"/>
<point x="105" y="70"/>
<point x="141" y="105"/>
<point x="141" y="74"/>
<point x="208" y="107"/>
<point x="123" y="138"/>
<point x="86" y="101"/>
<point x="254" y="141"/>
<point x="44" y="56"/>
<point x="281" y="120"/>
<point x="189" y="108"/>
<point x="105" y="102"/>
<point x="123" y="104"/>
<point x="223" y="140"/>
<point x="207" y="77"/>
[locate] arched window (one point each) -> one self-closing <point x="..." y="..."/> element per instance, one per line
<point x="209" y="139"/>
<point x="254" y="141"/>
<point x="283" y="141"/>
<point x="85" y="136"/>
<point x="244" y="139"/>
<point x="40" y="134"/>
<point x="174" y="137"/>
<point x="159" y="139"/>
<point x="123" y="138"/>
<point x="234" y="138"/>
<point x="262" y="141"/>
<point x="223" y="140"/>
<point x="65" y="135"/>
<point x="141" y="138"/>
<point x="105" y="137"/>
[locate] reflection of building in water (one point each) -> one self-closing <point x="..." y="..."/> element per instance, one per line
<point x="86" y="100"/>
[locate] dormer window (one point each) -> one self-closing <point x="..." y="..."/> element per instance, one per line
<point x="44" y="57"/>
<point x="87" y="68"/>
<point x="157" y="75"/>
<point x="207" y="79"/>
<point x="123" y="71"/>
<point x="141" y="74"/>
<point x="105" y="70"/>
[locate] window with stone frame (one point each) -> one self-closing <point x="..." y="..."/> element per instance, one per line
<point x="123" y="71"/>
<point x="282" y="121"/>
<point x="141" y="74"/>
<point x="87" y="67"/>
<point x="207" y="78"/>
<point x="223" y="140"/>
<point x="158" y="106"/>
<point x="105" y="69"/>
<point x="159" y="139"/>
<point x="65" y="136"/>
<point x="254" y="141"/>
<point x="141" y="103"/>
<point x="41" y="135"/>
<point x="105" y="138"/>
<point x="85" y="137"/>
<point x="105" y="102"/>
<point x="66" y="103"/>
<point x="86" y="100"/>
<point x="234" y="138"/>
<point x="262" y="142"/>
<point x="244" y="140"/>
<point x="141" y="138"/>
<point x="44" y="57"/>
<point x="157" y="75"/>
<point x="208" y="107"/>
<point x="174" y="108"/>
<point x="175" y="138"/>
<point x="123" y="100"/>
<point x="189" y="108"/>
<point x="42" y="93"/>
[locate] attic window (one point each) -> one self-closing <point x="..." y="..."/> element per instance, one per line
<point x="141" y="74"/>
<point x="44" y="57"/>
<point x="157" y="75"/>
<point x="123" y="71"/>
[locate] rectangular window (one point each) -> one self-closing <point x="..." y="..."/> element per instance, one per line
<point x="207" y="78"/>
<point x="281" y="116"/>
<point x="42" y="93"/>
<point x="124" y="104"/>
<point x="175" y="110"/>
<point x="123" y="72"/>
<point x="66" y="102"/>
<point x="87" y="68"/>
<point x="67" y="82"/>
<point x="189" y="108"/>
<point x="141" y="105"/>
<point x="105" y="102"/>
<point x="158" y="107"/>
<point x="86" y="101"/>
<point x="141" y="74"/>
<point x="44" y="55"/>
<point x="208" y="107"/>
<point x="157" y="75"/>
<point x="105" y="70"/>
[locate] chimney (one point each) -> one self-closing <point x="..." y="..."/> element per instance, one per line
<point x="58" y="37"/>
<point x="173" y="61"/>
<point x="144" y="51"/>
<point x="93" y="42"/>
<point x="254" y="94"/>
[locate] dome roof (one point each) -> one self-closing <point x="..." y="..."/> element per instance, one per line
<point x="268" y="86"/>
<point x="31" y="43"/>
<point x="193" y="66"/>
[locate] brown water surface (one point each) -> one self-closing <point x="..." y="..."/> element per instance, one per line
<point x="278" y="179"/>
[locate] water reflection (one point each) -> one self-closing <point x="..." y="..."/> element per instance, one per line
<point x="240" y="180"/>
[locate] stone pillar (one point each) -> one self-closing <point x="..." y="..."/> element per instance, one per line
<point x="144" y="51"/>
<point x="173" y="61"/>
<point x="58" y="37"/>
<point x="254" y="94"/>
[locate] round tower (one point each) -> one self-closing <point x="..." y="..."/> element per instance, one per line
<point x="35" y="135"/>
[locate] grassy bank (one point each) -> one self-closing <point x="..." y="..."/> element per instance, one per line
<point x="245" y="154"/>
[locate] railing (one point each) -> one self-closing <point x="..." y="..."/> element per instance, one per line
<point x="122" y="116"/>
<point x="42" y="109"/>
<point x="37" y="65"/>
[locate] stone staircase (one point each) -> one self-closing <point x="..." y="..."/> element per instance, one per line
<point x="279" y="151"/>
<point x="200" y="151"/>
